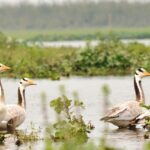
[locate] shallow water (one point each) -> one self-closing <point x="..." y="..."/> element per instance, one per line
<point x="89" y="90"/>
<point x="82" y="44"/>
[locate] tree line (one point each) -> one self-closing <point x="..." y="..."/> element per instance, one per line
<point x="74" y="15"/>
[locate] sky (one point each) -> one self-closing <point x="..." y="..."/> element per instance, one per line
<point x="14" y="2"/>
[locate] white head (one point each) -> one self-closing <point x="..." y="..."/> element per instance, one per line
<point x="3" y="68"/>
<point x="24" y="82"/>
<point x="141" y="72"/>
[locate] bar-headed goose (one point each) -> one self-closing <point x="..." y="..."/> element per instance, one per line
<point x="124" y="114"/>
<point x="2" y="97"/>
<point x="16" y="112"/>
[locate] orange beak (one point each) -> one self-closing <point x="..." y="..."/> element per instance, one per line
<point x="4" y="68"/>
<point x="31" y="82"/>
<point x="146" y="73"/>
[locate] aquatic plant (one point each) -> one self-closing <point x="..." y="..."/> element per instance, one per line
<point x="71" y="145"/>
<point x="24" y="136"/>
<point x="69" y="126"/>
<point x="70" y="130"/>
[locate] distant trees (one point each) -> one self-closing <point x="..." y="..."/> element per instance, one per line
<point x="75" y="15"/>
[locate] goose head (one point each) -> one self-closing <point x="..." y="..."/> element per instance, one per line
<point x="24" y="82"/>
<point x="3" y="68"/>
<point x="141" y="72"/>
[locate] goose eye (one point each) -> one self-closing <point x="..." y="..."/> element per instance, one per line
<point x="20" y="82"/>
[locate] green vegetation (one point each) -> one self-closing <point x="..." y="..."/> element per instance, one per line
<point x="72" y="126"/>
<point x="74" y="146"/>
<point x="34" y="61"/>
<point x="109" y="57"/>
<point x="79" y="34"/>
<point x="21" y="137"/>
<point x="24" y="136"/>
<point x="147" y="146"/>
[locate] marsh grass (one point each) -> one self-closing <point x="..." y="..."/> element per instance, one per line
<point x="29" y="135"/>
<point x="20" y="137"/>
<point x="79" y="34"/>
<point x="109" y="57"/>
<point x="24" y="137"/>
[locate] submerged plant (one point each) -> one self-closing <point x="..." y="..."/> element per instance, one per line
<point x="27" y="136"/>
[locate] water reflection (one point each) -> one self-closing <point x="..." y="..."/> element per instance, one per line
<point x="127" y="139"/>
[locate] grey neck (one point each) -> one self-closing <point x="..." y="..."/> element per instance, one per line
<point x="138" y="89"/>
<point x="2" y="95"/>
<point x="21" y="98"/>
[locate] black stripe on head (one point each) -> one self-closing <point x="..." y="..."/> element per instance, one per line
<point x="140" y="70"/>
<point x="24" y="79"/>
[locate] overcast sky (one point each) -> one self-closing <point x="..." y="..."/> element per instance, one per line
<point x="13" y="2"/>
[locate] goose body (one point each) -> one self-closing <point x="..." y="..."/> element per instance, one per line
<point x="16" y="113"/>
<point x="125" y="114"/>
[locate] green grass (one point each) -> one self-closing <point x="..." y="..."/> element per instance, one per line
<point x="78" y="34"/>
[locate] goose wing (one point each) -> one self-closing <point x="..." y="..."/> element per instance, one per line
<point x="113" y="113"/>
<point x="125" y="111"/>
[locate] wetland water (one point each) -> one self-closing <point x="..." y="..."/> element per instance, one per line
<point x="82" y="44"/>
<point x="89" y="91"/>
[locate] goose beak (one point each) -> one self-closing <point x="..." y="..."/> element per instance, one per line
<point x="146" y="73"/>
<point x="4" y="68"/>
<point x="31" y="82"/>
